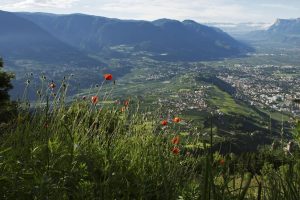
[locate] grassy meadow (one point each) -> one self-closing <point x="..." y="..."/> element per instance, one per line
<point x="97" y="148"/>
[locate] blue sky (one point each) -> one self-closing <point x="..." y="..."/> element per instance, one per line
<point x="200" y="10"/>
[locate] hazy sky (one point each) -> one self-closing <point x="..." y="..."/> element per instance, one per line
<point x="199" y="10"/>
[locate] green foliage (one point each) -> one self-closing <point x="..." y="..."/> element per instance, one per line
<point x="6" y="107"/>
<point x="282" y="183"/>
<point x="297" y="132"/>
<point x="81" y="150"/>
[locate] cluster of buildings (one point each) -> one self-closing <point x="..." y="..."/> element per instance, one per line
<point x="186" y="100"/>
<point x="268" y="86"/>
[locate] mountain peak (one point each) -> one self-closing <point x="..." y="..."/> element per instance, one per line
<point x="189" y="21"/>
<point x="164" y="21"/>
<point x="286" y="26"/>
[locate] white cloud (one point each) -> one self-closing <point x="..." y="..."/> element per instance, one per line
<point x="279" y="6"/>
<point x="28" y="4"/>
<point x="199" y="10"/>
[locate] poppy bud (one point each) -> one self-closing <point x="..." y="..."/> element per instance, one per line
<point x="52" y="85"/>
<point x="95" y="99"/>
<point x="175" y="140"/>
<point x="222" y="162"/>
<point x="175" y="150"/>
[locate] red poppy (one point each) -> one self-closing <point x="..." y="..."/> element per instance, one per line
<point x="126" y="103"/>
<point x="222" y="162"/>
<point x="175" y="150"/>
<point x="176" y="120"/>
<point x="175" y="140"/>
<point x="52" y="85"/>
<point x="164" y="122"/>
<point x="108" y="77"/>
<point x="95" y="99"/>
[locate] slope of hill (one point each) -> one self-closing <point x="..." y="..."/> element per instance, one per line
<point x="164" y="38"/>
<point x="285" y="31"/>
<point x="286" y="26"/>
<point x="22" y="39"/>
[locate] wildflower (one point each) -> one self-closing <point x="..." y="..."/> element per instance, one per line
<point x="175" y="150"/>
<point x="95" y="99"/>
<point x="126" y="103"/>
<point x="108" y="77"/>
<point x="176" y="120"/>
<point x="164" y="122"/>
<point x="52" y="85"/>
<point x="28" y="82"/>
<point x="222" y="162"/>
<point x="84" y="98"/>
<point x="175" y="140"/>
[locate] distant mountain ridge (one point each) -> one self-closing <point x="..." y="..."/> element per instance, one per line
<point x="23" y="39"/>
<point x="286" y="31"/>
<point x="287" y="26"/>
<point x="237" y="29"/>
<point x="164" y="38"/>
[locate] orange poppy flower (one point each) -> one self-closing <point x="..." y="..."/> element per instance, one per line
<point x="222" y="162"/>
<point x="126" y="103"/>
<point x="108" y="77"/>
<point x="164" y="122"/>
<point x="175" y="140"/>
<point x="52" y="85"/>
<point x="175" y="150"/>
<point x="95" y="99"/>
<point x="176" y="120"/>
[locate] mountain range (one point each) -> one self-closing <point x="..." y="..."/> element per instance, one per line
<point x="284" y="31"/>
<point x="50" y="37"/>
<point x="23" y="39"/>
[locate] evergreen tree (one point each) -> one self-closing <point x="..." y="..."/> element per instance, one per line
<point x="7" y="108"/>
